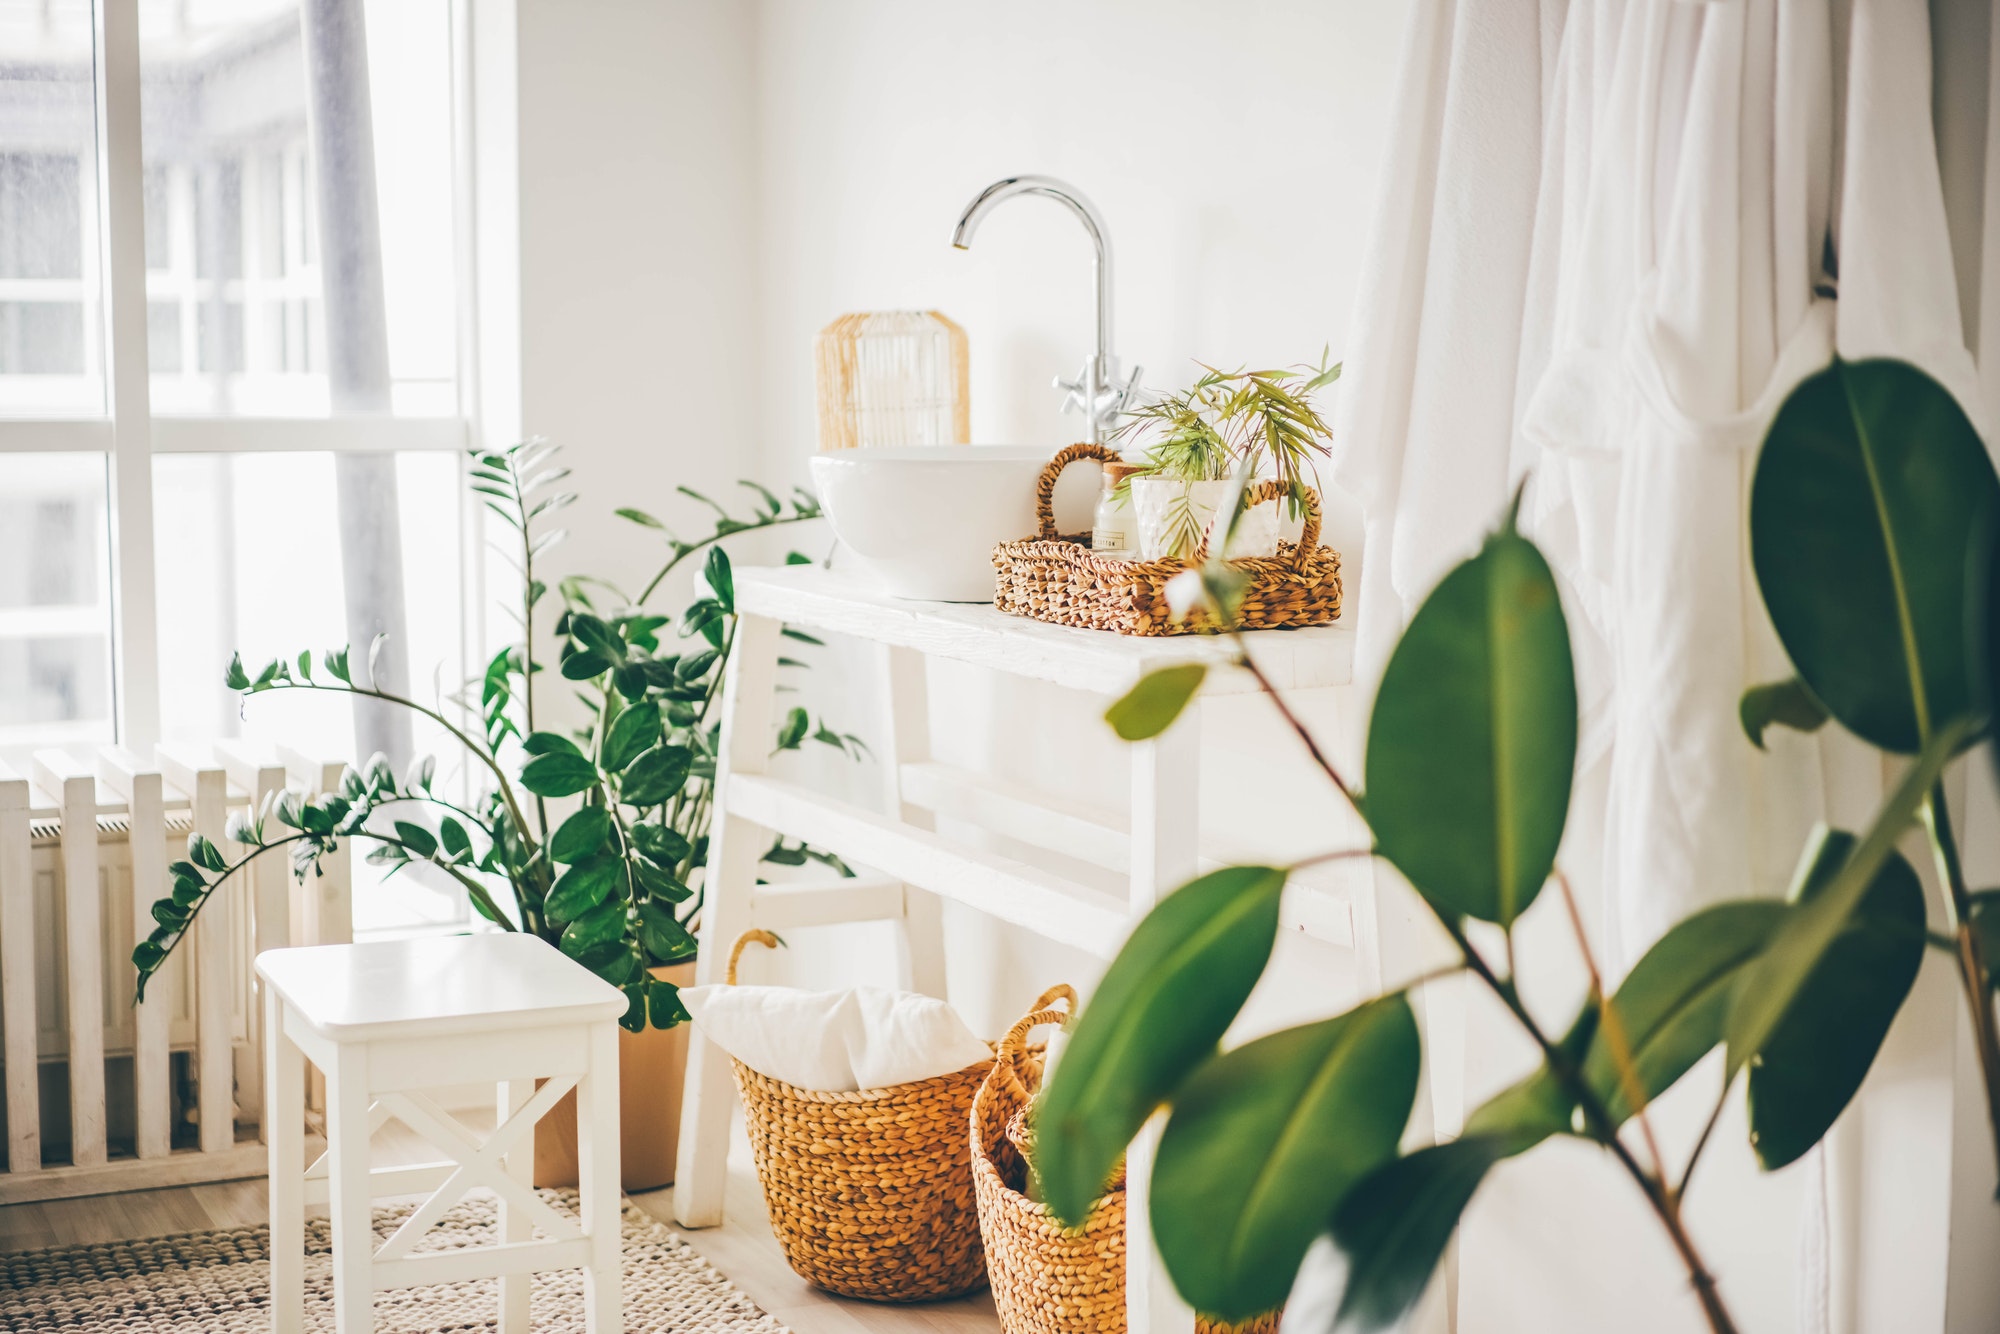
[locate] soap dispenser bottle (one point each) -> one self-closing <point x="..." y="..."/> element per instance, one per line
<point x="1114" y="533"/>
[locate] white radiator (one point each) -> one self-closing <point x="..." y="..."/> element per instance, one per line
<point x="101" y="1094"/>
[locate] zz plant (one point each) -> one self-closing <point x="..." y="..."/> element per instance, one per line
<point x="614" y="883"/>
<point x="1871" y="514"/>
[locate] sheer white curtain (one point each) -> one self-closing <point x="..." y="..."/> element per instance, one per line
<point x="1615" y="234"/>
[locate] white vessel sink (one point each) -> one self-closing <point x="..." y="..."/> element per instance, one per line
<point x="924" y="520"/>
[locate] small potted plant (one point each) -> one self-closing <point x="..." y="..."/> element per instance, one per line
<point x="596" y="839"/>
<point x="1193" y="441"/>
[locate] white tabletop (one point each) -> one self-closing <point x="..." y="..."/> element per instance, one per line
<point x="437" y="985"/>
<point x="836" y="602"/>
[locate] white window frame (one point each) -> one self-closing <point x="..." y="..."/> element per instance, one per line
<point x="130" y="437"/>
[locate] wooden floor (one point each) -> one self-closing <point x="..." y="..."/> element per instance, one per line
<point x="743" y="1248"/>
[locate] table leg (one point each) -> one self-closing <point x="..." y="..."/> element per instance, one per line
<point x="905" y="696"/>
<point x="1166" y="807"/>
<point x="350" y="1192"/>
<point x="285" y="1071"/>
<point x="514" y="1226"/>
<point x="701" y="1166"/>
<point x="597" y="1178"/>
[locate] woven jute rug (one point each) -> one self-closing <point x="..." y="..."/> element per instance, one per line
<point x="219" y="1283"/>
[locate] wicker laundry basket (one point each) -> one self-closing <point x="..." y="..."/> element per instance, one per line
<point x="1058" y="578"/>
<point x="870" y="1192"/>
<point x="1047" y="1280"/>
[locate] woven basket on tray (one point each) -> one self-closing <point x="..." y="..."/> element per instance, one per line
<point x="1047" y="1280"/>
<point x="1058" y="578"/>
<point x="870" y="1192"/>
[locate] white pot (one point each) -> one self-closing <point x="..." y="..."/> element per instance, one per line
<point x="1163" y="521"/>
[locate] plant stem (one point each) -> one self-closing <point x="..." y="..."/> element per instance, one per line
<point x="1604" y="1132"/>
<point x="1707" y="1129"/>
<point x="528" y="627"/>
<point x="1614" y="1029"/>
<point x="478" y="752"/>
<point x="692" y="547"/>
<point x="1973" y="967"/>
<point x="1244" y="661"/>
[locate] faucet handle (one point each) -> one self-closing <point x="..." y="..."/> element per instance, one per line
<point x="1073" y="390"/>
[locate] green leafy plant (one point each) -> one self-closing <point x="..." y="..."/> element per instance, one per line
<point x="1873" y="505"/>
<point x="1231" y="420"/>
<point x="616" y="883"/>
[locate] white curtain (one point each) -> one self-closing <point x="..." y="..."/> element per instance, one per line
<point x="1614" y="234"/>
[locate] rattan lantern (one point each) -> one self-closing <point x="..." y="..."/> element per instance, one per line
<point x="892" y="377"/>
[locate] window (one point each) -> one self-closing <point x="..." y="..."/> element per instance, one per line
<point x="273" y="462"/>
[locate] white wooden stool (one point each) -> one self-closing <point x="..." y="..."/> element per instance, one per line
<point x="384" y="1021"/>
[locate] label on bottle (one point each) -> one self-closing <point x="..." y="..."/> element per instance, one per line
<point x="1110" y="542"/>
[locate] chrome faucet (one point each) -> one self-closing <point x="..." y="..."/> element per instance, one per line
<point x="1095" y="392"/>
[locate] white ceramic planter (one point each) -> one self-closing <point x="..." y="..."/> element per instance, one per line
<point x="1155" y="502"/>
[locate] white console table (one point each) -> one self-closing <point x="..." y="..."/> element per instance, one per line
<point x="910" y="866"/>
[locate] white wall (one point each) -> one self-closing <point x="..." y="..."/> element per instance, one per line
<point x="1232" y="150"/>
<point x="631" y="165"/>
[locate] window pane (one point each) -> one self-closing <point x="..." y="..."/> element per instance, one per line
<point x="55" y="603"/>
<point x="50" y="359"/>
<point x="238" y="310"/>
<point x="249" y="560"/>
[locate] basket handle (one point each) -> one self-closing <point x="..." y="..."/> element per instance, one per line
<point x="1267" y="490"/>
<point x="754" y="936"/>
<point x="1013" y="1048"/>
<point x="1045" y="488"/>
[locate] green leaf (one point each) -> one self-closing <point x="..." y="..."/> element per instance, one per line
<point x="1770" y="988"/>
<point x="655" y="776"/>
<point x="146" y="956"/>
<point x="594" y="928"/>
<point x="1160" y="1009"/>
<point x="659" y="884"/>
<point x="582" y="888"/>
<point x="1788" y="703"/>
<point x="549" y="743"/>
<point x="169" y="915"/>
<point x="452" y="834"/>
<point x="721" y="582"/>
<point x="1264" y="1141"/>
<point x="1150" y="707"/>
<point x="630" y="679"/>
<point x="1673" y="1005"/>
<point x="662" y="845"/>
<point x="1473" y="737"/>
<point x="634" y="1018"/>
<point x="1870" y="489"/>
<point x="663" y="1004"/>
<point x="204" y="854"/>
<point x="663" y="936"/>
<point x="639" y="517"/>
<point x="580" y="835"/>
<point x="1985" y="919"/>
<point x="793" y="730"/>
<point x="584" y="666"/>
<point x="336" y="663"/>
<point x="234" y="677"/>
<point x="558" y="774"/>
<point x="635" y="730"/>
<point x="1395" y="1223"/>
<point x="1813" y="1064"/>
<point x="420" y="840"/>
<point x="596" y="636"/>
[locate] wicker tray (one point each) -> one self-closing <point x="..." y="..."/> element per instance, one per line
<point x="1058" y="578"/>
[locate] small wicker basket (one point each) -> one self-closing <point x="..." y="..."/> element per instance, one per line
<point x="870" y="1192"/>
<point x="1047" y="1280"/>
<point x="1058" y="578"/>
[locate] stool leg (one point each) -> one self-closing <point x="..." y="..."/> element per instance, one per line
<point x="514" y="1226"/>
<point x="597" y="1175"/>
<point x="350" y="1192"/>
<point x="285" y="1083"/>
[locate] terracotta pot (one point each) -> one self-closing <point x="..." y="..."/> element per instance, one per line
<point x="650" y="1067"/>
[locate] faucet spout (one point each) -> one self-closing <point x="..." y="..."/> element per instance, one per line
<point x="1095" y="392"/>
